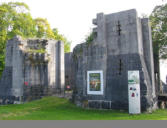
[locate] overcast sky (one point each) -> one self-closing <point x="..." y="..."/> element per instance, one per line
<point x="73" y="18"/>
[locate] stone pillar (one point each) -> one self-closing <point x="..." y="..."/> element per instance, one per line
<point x="60" y="72"/>
<point x="148" y="51"/>
<point x="18" y="79"/>
<point x="51" y="47"/>
<point x="101" y="28"/>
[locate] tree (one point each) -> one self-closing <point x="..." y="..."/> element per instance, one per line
<point x="158" y="19"/>
<point x="58" y="36"/>
<point x="43" y="28"/>
<point x="15" y="19"/>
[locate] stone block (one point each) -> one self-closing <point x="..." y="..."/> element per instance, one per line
<point x="123" y="43"/>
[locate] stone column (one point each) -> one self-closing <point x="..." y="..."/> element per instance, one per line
<point x="148" y="51"/>
<point x="60" y="72"/>
<point x="18" y="79"/>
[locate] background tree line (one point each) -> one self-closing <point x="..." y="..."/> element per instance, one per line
<point x="15" y="19"/>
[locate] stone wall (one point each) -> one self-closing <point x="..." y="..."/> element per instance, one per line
<point x="33" y="68"/>
<point x="122" y="42"/>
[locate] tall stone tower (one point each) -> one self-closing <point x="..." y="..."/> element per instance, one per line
<point x="122" y="42"/>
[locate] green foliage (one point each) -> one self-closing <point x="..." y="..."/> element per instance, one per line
<point x="15" y="19"/>
<point x="158" y="20"/>
<point x="36" y="50"/>
<point x="78" y="51"/>
<point x="58" y="36"/>
<point x="53" y="108"/>
<point x="43" y="28"/>
<point x="90" y="38"/>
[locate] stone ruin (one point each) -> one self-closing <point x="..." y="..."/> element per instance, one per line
<point x="122" y="42"/>
<point x="97" y="71"/>
<point x="33" y="68"/>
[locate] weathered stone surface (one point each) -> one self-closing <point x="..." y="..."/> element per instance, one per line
<point x="122" y="42"/>
<point x="68" y="71"/>
<point x="33" y="68"/>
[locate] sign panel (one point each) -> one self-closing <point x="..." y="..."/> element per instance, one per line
<point x="134" y="92"/>
<point x="95" y="82"/>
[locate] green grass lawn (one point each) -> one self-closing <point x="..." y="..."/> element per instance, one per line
<point x="53" y="108"/>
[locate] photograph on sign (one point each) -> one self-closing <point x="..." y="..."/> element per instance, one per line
<point x="133" y="77"/>
<point x="95" y="82"/>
